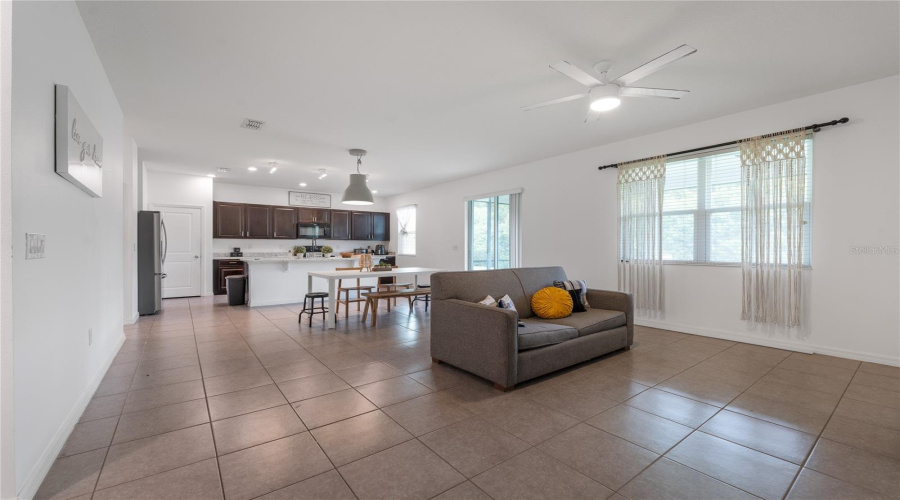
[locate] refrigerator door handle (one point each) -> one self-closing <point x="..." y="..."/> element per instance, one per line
<point x="165" y="240"/>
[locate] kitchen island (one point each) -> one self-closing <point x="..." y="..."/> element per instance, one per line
<point x="284" y="280"/>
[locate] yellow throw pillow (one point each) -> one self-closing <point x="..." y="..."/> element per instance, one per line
<point x="551" y="303"/>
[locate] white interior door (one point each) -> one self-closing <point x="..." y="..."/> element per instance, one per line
<point x="183" y="258"/>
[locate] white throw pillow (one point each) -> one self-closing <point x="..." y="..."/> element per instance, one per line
<point x="506" y="303"/>
<point x="488" y="301"/>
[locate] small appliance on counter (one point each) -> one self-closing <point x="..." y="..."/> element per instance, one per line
<point x="389" y="259"/>
<point x="237" y="252"/>
<point x="380" y="250"/>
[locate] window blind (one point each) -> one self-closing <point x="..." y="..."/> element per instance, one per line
<point x="702" y="207"/>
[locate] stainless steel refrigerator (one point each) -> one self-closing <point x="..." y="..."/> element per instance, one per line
<point x="151" y="250"/>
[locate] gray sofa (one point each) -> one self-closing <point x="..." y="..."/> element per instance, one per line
<point x="488" y="342"/>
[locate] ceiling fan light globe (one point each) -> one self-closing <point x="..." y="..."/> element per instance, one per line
<point x="606" y="104"/>
<point x="357" y="193"/>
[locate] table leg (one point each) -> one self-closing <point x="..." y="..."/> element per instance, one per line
<point x="308" y="284"/>
<point x="332" y="300"/>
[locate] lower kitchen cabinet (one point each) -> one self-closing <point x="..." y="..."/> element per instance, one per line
<point x="222" y="268"/>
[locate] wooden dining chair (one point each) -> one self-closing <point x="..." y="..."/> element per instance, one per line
<point x="389" y="284"/>
<point x="347" y="289"/>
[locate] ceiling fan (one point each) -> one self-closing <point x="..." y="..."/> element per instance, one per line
<point x="604" y="93"/>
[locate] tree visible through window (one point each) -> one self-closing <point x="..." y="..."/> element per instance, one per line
<point x="492" y="235"/>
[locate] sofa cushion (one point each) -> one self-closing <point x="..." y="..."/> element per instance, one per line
<point x="472" y="286"/>
<point x="590" y="321"/>
<point x="540" y="334"/>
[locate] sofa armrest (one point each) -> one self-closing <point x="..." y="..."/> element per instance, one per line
<point x="479" y="339"/>
<point x="615" y="301"/>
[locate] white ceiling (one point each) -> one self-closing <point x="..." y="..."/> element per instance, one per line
<point x="433" y="90"/>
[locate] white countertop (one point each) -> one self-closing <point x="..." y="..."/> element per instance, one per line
<point x="290" y="259"/>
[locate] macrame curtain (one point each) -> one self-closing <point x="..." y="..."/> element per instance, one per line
<point x="641" y="185"/>
<point x="773" y="196"/>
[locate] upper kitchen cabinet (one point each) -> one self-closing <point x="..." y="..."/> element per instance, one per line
<point x="381" y="226"/>
<point x="360" y="225"/>
<point x="258" y="221"/>
<point x="375" y="226"/>
<point x="340" y="225"/>
<point x="284" y="223"/>
<point x="228" y="220"/>
<point x="313" y="215"/>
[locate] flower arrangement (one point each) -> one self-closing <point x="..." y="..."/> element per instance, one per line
<point x="299" y="250"/>
<point x="327" y="250"/>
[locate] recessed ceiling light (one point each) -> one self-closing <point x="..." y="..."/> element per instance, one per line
<point x="273" y="166"/>
<point x="252" y="169"/>
<point x="272" y="170"/>
<point x="222" y="169"/>
<point x="210" y="175"/>
<point x="374" y="191"/>
<point x="323" y="174"/>
<point x="303" y="184"/>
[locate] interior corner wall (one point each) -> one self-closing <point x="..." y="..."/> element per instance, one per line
<point x="77" y="286"/>
<point x="164" y="188"/>
<point x="129" y="246"/>
<point x="569" y="218"/>
<point x="7" y="347"/>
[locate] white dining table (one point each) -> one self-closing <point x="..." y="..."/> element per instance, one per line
<point x="333" y="276"/>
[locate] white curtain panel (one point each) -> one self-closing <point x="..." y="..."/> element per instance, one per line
<point x="773" y="195"/>
<point x="641" y="186"/>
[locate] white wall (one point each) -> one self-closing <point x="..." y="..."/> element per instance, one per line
<point x="78" y="285"/>
<point x="129" y="245"/>
<point x="7" y="346"/>
<point x="164" y="188"/>
<point x="569" y="219"/>
<point x="237" y="193"/>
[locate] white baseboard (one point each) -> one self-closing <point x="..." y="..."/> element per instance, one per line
<point x="776" y="343"/>
<point x="132" y="320"/>
<point x="42" y="467"/>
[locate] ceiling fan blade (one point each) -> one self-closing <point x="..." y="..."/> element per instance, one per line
<point x="574" y="72"/>
<point x="554" y="101"/>
<point x="592" y="115"/>
<point x="645" y="92"/>
<point x="654" y="65"/>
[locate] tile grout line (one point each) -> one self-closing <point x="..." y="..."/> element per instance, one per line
<point x="819" y="438"/>
<point x="697" y="429"/>
<point x="206" y="402"/>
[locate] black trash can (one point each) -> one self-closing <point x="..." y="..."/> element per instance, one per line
<point x="236" y="288"/>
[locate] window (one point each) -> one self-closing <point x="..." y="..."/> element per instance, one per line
<point x="702" y="208"/>
<point x="493" y="232"/>
<point x="406" y="220"/>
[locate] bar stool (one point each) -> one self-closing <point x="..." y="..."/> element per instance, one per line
<point x="312" y="309"/>
<point x="424" y="298"/>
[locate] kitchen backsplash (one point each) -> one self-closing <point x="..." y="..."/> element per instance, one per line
<point x="281" y="247"/>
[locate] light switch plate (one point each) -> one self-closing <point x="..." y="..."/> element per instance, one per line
<point x="34" y="245"/>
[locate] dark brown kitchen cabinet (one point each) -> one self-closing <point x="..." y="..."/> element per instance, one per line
<point x="313" y="215"/>
<point x="360" y="225"/>
<point x="222" y="269"/>
<point x="374" y="226"/>
<point x="340" y="225"/>
<point x="284" y="223"/>
<point x="228" y="220"/>
<point x="258" y="221"/>
<point x="381" y="226"/>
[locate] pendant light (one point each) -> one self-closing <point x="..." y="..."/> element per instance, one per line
<point x="357" y="193"/>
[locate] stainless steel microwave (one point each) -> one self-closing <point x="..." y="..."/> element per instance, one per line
<point x="313" y="230"/>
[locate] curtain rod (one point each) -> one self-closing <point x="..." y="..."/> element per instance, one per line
<point x="815" y="127"/>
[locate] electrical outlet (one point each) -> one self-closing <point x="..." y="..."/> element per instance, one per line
<point x="34" y="245"/>
<point x="90" y="336"/>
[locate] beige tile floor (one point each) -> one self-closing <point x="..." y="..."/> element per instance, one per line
<point x="205" y="401"/>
